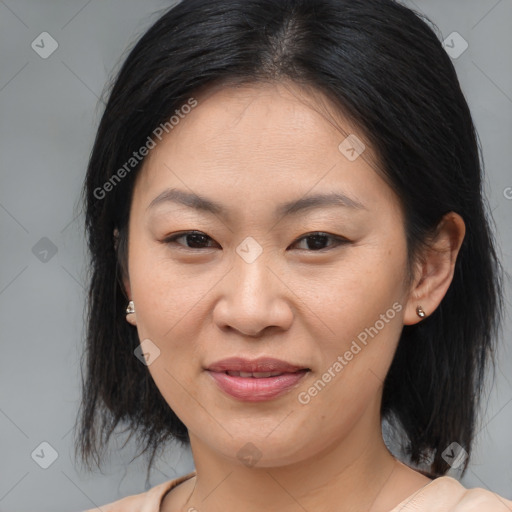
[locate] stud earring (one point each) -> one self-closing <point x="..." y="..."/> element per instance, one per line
<point x="420" y="312"/>
<point x="131" y="308"/>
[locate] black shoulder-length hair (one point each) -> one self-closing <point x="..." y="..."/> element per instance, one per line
<point x="385" y="68"/>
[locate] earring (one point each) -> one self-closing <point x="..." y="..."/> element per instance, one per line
<point x="420" y="312"/>
<point x="131" y="308"/>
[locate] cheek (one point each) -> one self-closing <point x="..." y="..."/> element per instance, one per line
<point x="359" y="321"/>
<point x="164" y="295"/>
<point x="351" y="295"/>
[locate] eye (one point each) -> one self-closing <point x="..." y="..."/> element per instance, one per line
<point x="196" y="239"/>
<point x="317" y="241"/>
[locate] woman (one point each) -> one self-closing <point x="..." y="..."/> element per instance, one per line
<point x="285" y="215"/>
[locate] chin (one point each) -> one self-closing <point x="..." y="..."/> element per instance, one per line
<point x="262" y="450"/>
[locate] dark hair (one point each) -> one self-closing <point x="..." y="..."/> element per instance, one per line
<point x="385" y="68"/>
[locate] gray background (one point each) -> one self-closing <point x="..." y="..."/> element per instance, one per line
<point x="50" y="109"/>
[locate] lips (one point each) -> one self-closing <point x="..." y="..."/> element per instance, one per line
<point x="257" y="380"/>
<point x="261" y="365"/>
<point x="255" y="375"/>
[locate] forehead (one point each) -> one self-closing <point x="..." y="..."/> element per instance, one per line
<point x="262" y="141"/>
<point x="281" y="118"/>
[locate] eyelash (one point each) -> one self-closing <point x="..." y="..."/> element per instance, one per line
<point x="337" y="239"/>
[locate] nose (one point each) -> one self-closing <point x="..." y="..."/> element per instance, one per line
<point x="254" y="298"/>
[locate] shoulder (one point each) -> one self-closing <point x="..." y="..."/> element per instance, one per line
<point x="482" y="500"/>
<point x="447" y="494"/>
<point x="148" y="501"/>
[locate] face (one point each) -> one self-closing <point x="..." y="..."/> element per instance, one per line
<point x="321" y="288"/>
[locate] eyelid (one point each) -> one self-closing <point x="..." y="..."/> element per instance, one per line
<point x="338" y="240"/>
<point x="171" y="239"/>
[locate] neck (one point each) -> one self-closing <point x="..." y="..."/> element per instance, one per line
<point x="352" y="474"/>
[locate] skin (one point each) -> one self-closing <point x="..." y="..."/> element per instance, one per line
<point x="251" y="149"/>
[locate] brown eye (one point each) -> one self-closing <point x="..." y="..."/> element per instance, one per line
<point x="194" y="239"/>
<point x="317" y="241"/>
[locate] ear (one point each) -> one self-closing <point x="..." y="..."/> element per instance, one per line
<point x="436" y="267"/>
<point x="126" y="282"/>
<point x="127" y="288"/>
<point x="131" y="318"/>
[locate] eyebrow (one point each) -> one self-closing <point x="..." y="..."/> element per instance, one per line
<point x="202" y="203"/>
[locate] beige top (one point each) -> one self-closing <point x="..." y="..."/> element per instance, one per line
<point x="444" y="494"/>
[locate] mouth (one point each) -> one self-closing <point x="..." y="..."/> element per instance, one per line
<point x="255" y="375"/>
<point x="255" y="367"/>
<point x="257" y="380"/>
